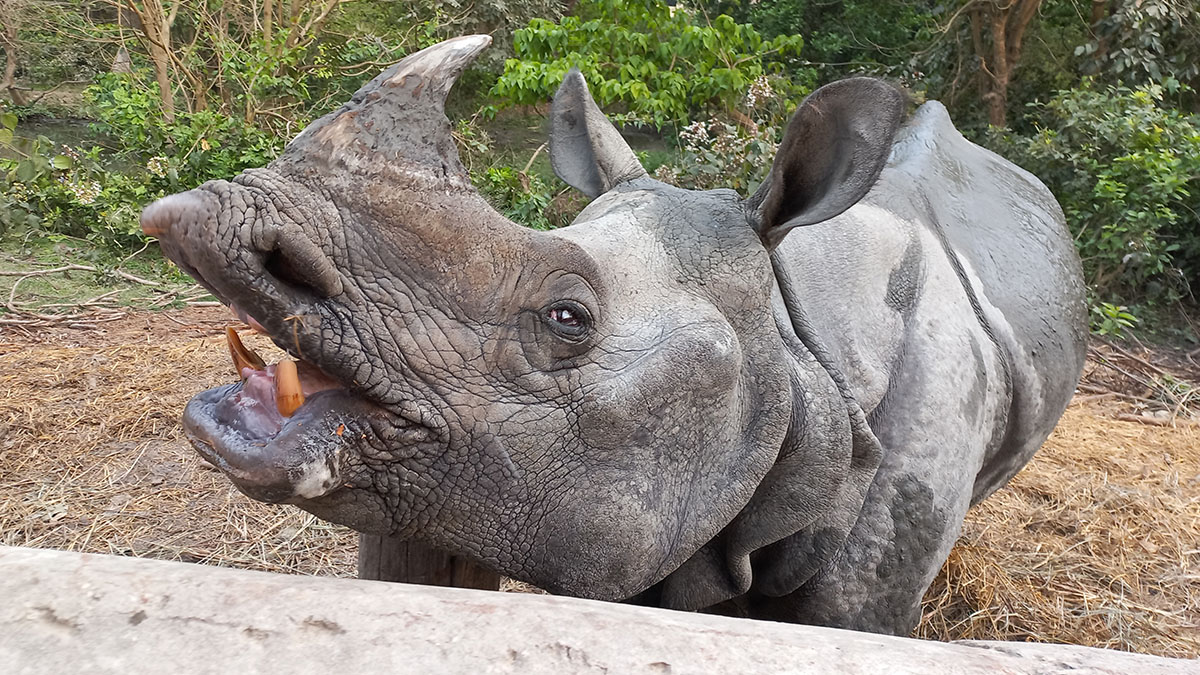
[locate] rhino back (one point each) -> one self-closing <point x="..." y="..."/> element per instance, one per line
<point x="1004" y="234"/>
<point x="1013" y="248"/>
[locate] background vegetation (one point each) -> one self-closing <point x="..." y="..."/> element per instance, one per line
<point x="112" y="103"/>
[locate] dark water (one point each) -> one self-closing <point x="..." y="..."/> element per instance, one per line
<point x="75" y="133"/>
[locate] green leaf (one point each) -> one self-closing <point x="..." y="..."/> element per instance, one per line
<point x="62" y="162"/>
<point x="8" y="121"/>
<point x="26" y="171"/>
<point x="6" y="136"/>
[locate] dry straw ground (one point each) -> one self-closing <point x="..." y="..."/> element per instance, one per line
<point x="1097" y="542"/>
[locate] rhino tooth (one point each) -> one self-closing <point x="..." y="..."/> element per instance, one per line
<point x="243" y="357"/>
<point x="288" y="394"/>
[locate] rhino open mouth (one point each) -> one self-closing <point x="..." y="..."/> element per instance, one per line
<point x="277" y="432"/>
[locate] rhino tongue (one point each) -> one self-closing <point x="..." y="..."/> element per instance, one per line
<point x="269" y="393"/>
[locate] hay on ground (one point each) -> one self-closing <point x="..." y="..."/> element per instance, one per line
<point x="1096" y="542"/>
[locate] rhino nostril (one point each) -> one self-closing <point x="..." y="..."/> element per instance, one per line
<point x="303" y="266"/>
<point x="280" y="267"/>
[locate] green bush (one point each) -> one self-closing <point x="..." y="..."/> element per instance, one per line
<point x="60" y="190"/>
<point x="98" y="195"/>
<point x="1125" y="168"/>
<point x="1111" y="320"/>
<point x="522" y="197"/>
<point x="196" y="146"/>
<point x="663" y="66"/>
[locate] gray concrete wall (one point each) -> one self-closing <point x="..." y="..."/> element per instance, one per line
<point x="66" y="612"/>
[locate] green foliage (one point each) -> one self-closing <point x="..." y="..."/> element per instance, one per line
<point x="1148" y="41"/>
<point x="1112" y="320"/>
<point x="1124" y="167"/>
<point x="79" y="193"/>
<point x="663" y="66"/>
<point x="857" y="36"/>
<point x="195" y="147"/>
<point x="60" y="190"/>
<point x="521" y="197"/>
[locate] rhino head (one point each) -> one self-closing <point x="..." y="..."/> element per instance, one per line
<point x="583" y="409"/>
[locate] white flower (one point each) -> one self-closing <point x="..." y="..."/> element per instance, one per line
<point x="157" y="166"/>
<point x="695" y="135"/>
<point x="666" y="174"/>
<point x="85" y="193"/>
<point x="760" y="91"/>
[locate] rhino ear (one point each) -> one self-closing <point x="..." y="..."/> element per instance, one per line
<point x="586" y="150"/>
<point x="832" y="153"/>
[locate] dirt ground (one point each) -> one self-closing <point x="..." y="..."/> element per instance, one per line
<point x="1096" y="542"/>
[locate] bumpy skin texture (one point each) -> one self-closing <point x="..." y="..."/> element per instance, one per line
<point x="776" y="407"/>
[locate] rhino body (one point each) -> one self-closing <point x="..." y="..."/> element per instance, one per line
<point x="779" y="407"/>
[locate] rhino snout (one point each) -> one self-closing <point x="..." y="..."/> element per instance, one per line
<point x="236" y="243"/>
<point x="159" y="218"/>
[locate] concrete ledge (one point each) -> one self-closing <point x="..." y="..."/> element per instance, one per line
<point x="70" y="612"/>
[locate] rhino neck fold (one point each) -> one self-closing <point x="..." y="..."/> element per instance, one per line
<point x="867" y="450"/>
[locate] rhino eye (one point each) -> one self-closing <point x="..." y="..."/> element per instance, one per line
<point x="568" y="318"/>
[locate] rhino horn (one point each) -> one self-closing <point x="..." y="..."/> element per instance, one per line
<point x="394" y="123"/>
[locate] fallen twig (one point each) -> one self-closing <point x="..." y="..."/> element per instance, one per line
<point x="136" y="279"/>
<point x="1133" y="357"/>
<point x="1094" y="389"/>
<point x="1153" y="421"/>
<point x="40" y="273"/>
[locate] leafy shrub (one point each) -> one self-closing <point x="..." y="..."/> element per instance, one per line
<point x="716" y="154"/>
<point x="521" y="197"/>
<point x="662" y="65"/>
<point x="865" y="36"/>
<point x="1148" y="41"/>
<point x="98" y="196"/>
<point x="1124" y="166"/>
<point x="1112" y="320"/>
<point x="60" y="190"/>
<point x="197" y="146"/>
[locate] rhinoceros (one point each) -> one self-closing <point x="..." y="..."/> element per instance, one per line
<point x="780" y="406"/>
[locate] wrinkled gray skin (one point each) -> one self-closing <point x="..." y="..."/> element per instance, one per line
<point x="780" y="407"/>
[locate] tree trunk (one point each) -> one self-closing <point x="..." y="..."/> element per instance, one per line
<point x="10" y="18"/>
<point x="389" y="559"/>
<point x="997" y="97"/>
<point x="1100" y="12"/>
<point x="222" y="87"/>
<point x="999" y="54"/>
<point x="156" y="28"/>
<point x="268" y="20"/>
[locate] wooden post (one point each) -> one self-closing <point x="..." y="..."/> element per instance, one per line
<point x="388" y="559"/>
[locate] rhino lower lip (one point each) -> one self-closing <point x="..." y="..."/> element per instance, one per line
<point x="270" y="458"/>
<point x="278" y="433"/>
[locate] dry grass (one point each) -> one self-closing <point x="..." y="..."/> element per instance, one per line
<point x="1097" y="542"/>
<point x="92" y="457"/>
